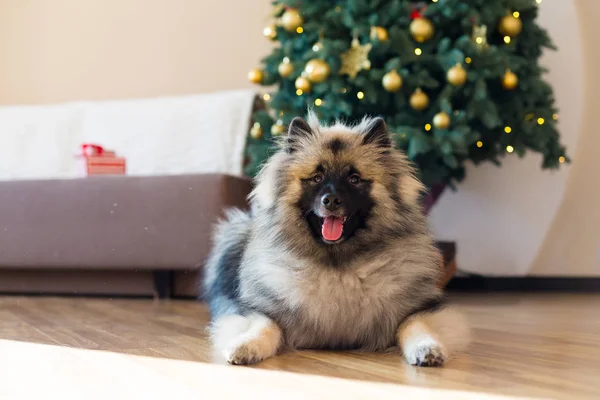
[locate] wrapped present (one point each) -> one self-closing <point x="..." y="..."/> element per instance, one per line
<point x="98" y="161"/>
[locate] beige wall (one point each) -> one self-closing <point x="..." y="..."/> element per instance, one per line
<point x="56" y="50"/>
<point x="573" y="241"/>
<point x="513" y="220"/>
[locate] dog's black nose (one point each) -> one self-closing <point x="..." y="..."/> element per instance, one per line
<point x="331" y="201"/>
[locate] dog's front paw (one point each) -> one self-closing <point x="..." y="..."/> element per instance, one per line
<point x="427" y="353"/>
<point x="245" y="353"/>
<point x="260" y="342"/>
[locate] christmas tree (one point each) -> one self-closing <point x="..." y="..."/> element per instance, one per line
<point x="455" y="80"/>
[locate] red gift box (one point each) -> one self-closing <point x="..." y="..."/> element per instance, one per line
<point x="99" y="161"/>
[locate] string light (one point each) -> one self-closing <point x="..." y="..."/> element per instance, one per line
<point x="555" y="117"/>
<point x="540" y="121"/>
<point x="299" y="29"/>
<point x="318" y="102"/>
<point x="468" y="60"/>
<point x="510" y="149"/>
<point x="267" y="96"/>
<point x="480" y="144"/>
<point x="435" y="1"/>
<point x="479" y="39"/>
<point x="507" y="129"/>
<point x="538" y="1"/>
<point x="418" y="51"/>
<point x="344" y="90"/>
<point x="561" y="159"/>
<point x="427" y="127"/>
<point x="299" y="92"/>
<point x="360" y="95"/>
<point x="516" y="14"/>
<point x="507" y="39"/>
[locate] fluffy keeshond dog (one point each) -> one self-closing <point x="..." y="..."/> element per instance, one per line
<point x="334" y="254"/>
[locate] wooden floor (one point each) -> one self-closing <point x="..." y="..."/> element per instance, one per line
<point x="536" y="345"/>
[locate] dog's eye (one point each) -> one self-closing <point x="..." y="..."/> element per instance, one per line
<point x="354" y="179"/>
<point x="318" y="178"/>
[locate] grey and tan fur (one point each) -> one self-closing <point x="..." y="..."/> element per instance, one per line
<point x="272" y="284"/>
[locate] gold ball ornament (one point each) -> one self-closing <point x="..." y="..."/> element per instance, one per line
<point x="277" y="128"/>
<point x="379" y="33"/>
<point x="317" y="70"/>
<point x="510" y="80"/>
<point x="419" y="100"/>
<point x="270" y="32"/>
<point x="421" y="29"/>
<point x="392" y="81"/>
<point x="303" y="84"/>
<point x="509" y="25"/>
<point x="291" y="20"/>
<point x="457" y="75"/>
<point x="256" y="75"/>
<point x="441" y="120"/>
<point x="256" y="131"/>
<point x="285" y="69"/>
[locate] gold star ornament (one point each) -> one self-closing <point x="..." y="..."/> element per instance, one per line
<point x="355" y="59"/>
<point x="479" y="37"/>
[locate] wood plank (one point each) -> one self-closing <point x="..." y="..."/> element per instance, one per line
<point x="536" y="345"/>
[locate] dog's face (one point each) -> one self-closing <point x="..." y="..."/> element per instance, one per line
<point x="341" y="188"/>
<point x="332" y="176"/>
<point x="336" y="199"/>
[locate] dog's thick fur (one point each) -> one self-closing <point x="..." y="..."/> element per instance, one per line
<point x="272" y="282"/>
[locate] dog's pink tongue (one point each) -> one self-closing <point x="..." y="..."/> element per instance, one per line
<point x="332" y="228"/>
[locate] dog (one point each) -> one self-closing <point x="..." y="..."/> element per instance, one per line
<point x="334" y="253"/>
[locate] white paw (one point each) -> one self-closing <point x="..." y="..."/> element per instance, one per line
<point x="260" y="340"/>
<point x="245" y="353"/>
<point x="426" y="353"/>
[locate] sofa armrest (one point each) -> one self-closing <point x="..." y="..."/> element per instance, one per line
<point x="158" y="222"/>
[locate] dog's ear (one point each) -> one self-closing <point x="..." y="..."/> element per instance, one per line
<point x="297" y="130"/>
<point x="377" y="133"/>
